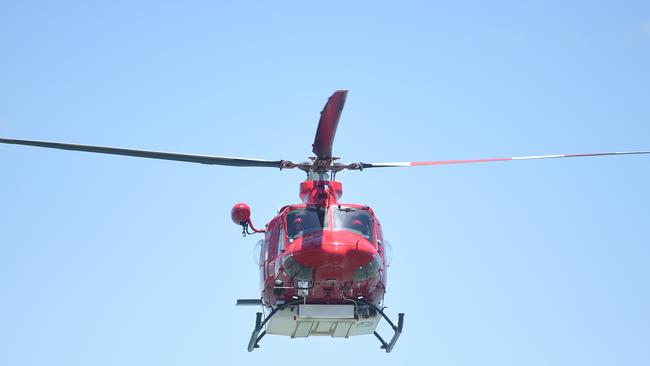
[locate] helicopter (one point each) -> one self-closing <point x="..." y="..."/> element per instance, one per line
<point x="323" y="263"/>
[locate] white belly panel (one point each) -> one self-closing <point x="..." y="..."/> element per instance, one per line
<point x="321" y="320"/>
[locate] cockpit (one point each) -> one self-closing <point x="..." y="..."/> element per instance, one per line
<point x="303" y="221"/>
<point x="358" y="221"/>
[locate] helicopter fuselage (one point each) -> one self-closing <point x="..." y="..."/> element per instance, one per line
<point x="323" y="251"/>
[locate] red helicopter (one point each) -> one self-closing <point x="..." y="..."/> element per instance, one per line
<point x="323" y="263"/>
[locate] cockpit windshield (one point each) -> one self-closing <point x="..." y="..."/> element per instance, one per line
<point x="358" y="221"/>
<point x="305" y="220"/>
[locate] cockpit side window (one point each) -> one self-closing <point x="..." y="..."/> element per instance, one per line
<point x="358" y="221"/>
<point x="281" y="239"/>
<point x="303" y="221"/>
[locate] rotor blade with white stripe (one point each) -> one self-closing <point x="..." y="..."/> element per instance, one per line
<point x="490" y="160"/>
<point x="191" y="158"/>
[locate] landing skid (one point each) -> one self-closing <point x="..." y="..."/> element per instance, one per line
<point x="396" y="329"/>
<point x="258" y="332"/>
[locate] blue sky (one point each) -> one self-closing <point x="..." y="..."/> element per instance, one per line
<point x="121" y="261"/>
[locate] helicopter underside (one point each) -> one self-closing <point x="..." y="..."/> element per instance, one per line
<point x="299" y="320"/>
<point x="305" y="320"/>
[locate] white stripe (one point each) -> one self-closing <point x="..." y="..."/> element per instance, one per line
<point x="538" y="157"/>
<point x="394" y="164"/>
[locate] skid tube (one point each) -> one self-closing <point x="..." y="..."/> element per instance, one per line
<point x="258" y="334"/>
<point x="397" y="329"/>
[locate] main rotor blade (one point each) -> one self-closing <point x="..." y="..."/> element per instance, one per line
<point x="490" y="160"/>
<point x="329" y="120"/>
<point x="191" y="158"/>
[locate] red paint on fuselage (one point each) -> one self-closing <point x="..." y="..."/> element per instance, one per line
<point x="338" y="264"/>
<point x="337" y="249"/>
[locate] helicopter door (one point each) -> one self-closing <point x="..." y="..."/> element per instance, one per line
<point x="264" y="257"/>
<point x="271" y="249"/>
<point x="282" y="239"/>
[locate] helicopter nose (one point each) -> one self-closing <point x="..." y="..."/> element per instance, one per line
<point x="336" y="250"/>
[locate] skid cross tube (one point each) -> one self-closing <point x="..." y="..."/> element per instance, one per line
<point x="396" y="328"/>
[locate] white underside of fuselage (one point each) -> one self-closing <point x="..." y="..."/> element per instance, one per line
<point x="336" y="320"/>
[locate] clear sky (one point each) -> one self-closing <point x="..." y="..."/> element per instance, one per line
<point x="108" y="260"/>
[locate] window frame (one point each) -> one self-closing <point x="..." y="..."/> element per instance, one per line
<point x="371" y="225"/>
